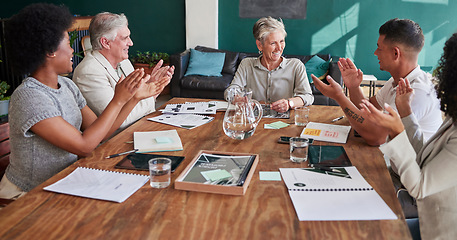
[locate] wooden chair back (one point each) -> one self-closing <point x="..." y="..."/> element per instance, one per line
<point x="4" y="155"/>
<point x="4" y="147"/>
<point x="85" y="43"/>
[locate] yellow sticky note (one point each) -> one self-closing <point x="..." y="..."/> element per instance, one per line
<point x="312" y="132"/>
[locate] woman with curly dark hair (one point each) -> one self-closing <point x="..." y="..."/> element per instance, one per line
<point x="50" y="124"/>
<point x="428" y="169"/>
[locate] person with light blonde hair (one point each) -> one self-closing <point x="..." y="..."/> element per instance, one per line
<point x="274" y="79"/>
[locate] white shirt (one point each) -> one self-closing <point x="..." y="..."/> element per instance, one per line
<point x="425" y="104"/>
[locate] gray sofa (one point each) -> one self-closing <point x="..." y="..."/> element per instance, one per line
<point x="196" y="86"/>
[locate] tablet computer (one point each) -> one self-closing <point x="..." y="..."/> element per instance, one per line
<point x="139" y="161"/>
<point x="328" y="156"/>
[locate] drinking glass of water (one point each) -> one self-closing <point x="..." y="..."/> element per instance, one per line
<point x="159" y="172"/>
<point x="299" y="149"/>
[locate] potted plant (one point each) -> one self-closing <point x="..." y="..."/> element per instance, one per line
<point x="4" y="100"/>
<point x="148" y="60"/>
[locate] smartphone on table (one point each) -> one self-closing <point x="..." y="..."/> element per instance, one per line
<point x="284" y="139"/>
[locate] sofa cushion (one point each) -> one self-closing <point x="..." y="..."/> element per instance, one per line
<point x="317" y="66"/>
<point x="207" y="83"/>
<point x="231" y="59"/>
<point x="205" y="63"/>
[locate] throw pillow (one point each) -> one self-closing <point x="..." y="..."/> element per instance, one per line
<point x="231" y="59"/>
<point x="205" y="63"/>
<point x="318" y="67"/>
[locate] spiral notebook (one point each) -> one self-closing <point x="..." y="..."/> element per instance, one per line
<point x="342" y="194"/>
<point x="99" y="184"/>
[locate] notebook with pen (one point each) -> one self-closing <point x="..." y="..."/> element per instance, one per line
<point x="139" y="161"/>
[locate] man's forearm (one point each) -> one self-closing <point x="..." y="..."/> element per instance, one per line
<point x="372" y="134"/>
<point x="352" y="115"/>
<point x="356" y="96"/>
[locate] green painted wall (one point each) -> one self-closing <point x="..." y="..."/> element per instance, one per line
<point x="155" y="25"/>
<point x="347" y="28"/>
<point x="340" y="27"/>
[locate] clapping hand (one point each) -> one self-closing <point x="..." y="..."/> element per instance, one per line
<point x="128" y="86"/>
<point x="160" y="72"/>
<point x="352" y="76"/>
<point x="156" y="82"/>
<point x="332" y="90"/>
<point x="404" y="97"/>
<point x="390" y="121"/>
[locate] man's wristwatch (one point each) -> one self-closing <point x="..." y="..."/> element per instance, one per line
<point x="291" y="104"/>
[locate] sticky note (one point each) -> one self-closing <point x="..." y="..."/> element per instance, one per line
<point x="163" y="140"/>
<point x="270" y="176"/>
<point x="279" y="124"/>
<point x="312" y="132"/>
<point x="214" y="175"/>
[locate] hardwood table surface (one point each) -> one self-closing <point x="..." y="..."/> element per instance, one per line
<point x="264" y="212"/>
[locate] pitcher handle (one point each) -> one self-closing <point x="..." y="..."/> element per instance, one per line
<point x="258" y="106"/>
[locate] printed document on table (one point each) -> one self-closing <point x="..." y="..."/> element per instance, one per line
<point x="99" y="184"/>
<point x="326" y="132"/>
<point x="191" y="107"/>
<point x="187" y="121"/>
<point x="319" y="195"/>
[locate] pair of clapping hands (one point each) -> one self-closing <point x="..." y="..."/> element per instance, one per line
<point x="353" y="78"/>
<point x="139" y="85"/>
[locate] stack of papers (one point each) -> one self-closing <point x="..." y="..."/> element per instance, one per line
<point x="191" y="107"/>
<point x="187" y="121"/>
<point x="186" y="115"/>
<point x="276" y="125"/>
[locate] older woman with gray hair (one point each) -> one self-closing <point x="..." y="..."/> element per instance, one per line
<point x="271" y="77"/>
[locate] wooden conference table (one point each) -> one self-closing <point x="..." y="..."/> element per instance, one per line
<point x="264" y="212"/>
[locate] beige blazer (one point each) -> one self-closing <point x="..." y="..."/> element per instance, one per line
<point x="429" y="176"/>
<point x="97" y="79"/>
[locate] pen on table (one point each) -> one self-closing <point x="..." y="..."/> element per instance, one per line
<point x="123" y="153"/>
<point x="338" y="118"/>
<point x="327" y="169"/>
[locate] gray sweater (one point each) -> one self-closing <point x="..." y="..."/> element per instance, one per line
<point x="33" y="160"/>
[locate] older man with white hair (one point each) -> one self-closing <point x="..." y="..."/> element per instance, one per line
<point x="102" y="68"/>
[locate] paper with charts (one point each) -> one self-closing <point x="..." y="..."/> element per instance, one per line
<point x="326" y="132"/>
<point x="319" y="195"/>
<point x="191" y="107"/>
<point x="187" y="121"/>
